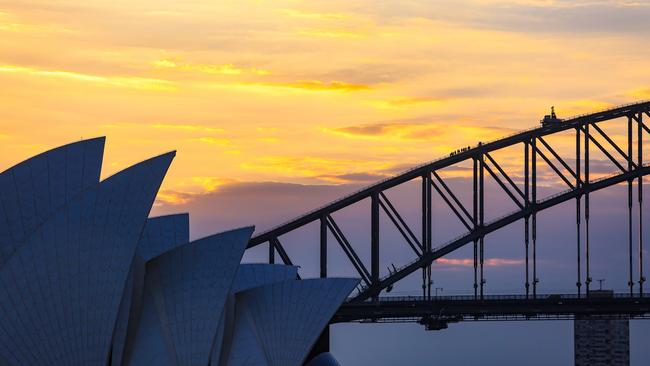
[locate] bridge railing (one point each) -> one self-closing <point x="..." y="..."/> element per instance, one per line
<point x="608" y="109"/>
<point x="618" y="295"/>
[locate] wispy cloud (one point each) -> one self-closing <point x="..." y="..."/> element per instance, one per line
<point x="222" y="69"/>
<point x="186" y="127"/>
<point x="189" y="190"/>
<point x="585" y="17"/>
<point x="295" y="13"/>
<point x="326" y="169"/>
<point x="354" y="178"/>
<point x="9" y="24"/>
<point x="134" y="82"/>
<point x="322" y="85"/>
<point x="333" y="33"/>
<point x="302" y="86"/>
<point x="220" y="141"/>
<point x="406" y="102"/>
<point x="418" y="131"/>
<point x="171" y="197"/>
<point x="210" y="184"/>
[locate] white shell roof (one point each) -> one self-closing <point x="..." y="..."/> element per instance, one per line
<point x="246" y="349"/>
<point x="248" y="276"/>
<point x="163" y="233"/>
<point x="159" y="235"/>
<point x="190" y="285"/>
<point x="287" y="317"/>
<point x="86" y="279"/>
<point x="31" y="191"/>
<point x="60" y="292"/>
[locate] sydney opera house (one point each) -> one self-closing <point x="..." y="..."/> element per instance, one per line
<point x="87" y="278"/>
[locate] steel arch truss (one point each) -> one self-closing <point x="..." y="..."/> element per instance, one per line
<point x="577" y="179"/>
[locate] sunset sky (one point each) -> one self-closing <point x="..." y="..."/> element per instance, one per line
<point x="318" y="92"/>
<point x="300" y="102"/>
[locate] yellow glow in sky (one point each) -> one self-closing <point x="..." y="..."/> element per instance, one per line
<point x="306" y="92"/>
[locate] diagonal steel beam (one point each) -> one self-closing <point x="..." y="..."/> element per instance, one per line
<point x="642" y="124"/>
<point x="498" y="180"/>
<point x="347" y="248"/>
<point x="399" y="217"/>
<point x="503" y="173"/>
<point x="555" y="169"/>
<point x="392" y="218"/>
<point x="283" y="254"/>
<point x="349" y="251"/>
<point x="611" y="142"/>
<point x="275" y="243"/>
<point x="271" y="253"/>
<point x="453" y="208"/>
<point x="452" y="195"/>
<point x="604" y="151"/>
<point x="493" y="226"/>
<point x="557" y="156"/>
<point x="638" y="118"/>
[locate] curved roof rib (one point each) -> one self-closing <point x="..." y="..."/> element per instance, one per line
<point x="60" y="292"/>
<point x="159" y="235"/>
<point x="248" y="276"/>
<point x="287" y="317"/>
<point x="324" y="359"/>
<point x="127" y="310"/>
<point x="163" y="233"/>
<point x="31" y="191"/>
<point x="189" y="286"/>
<point x="245" y="348"/>
<point x="148" y="345"/>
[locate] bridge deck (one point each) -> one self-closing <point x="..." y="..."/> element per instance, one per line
<point x="494" y="307"/>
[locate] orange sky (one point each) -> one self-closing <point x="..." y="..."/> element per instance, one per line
<point x="318" y="92"/>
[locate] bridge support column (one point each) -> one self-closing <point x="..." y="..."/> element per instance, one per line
<point x="578" y="216"/>
<point x="374" y="240"/>
<point x="429" y="232"/>
<point x="586" y="183"/>
<point x="527" y="205"/>
<point x="426" y="232"/>
<point x="323" y="246"/>
<point x="640" y="198"/>
<point x="601" y="340"/>
<point x="475" y="222"/>
<point x="630" y="282"/>
<point x="534" y="203"/>
<point x="481" y="218"/>
<point x="271" y="252"/>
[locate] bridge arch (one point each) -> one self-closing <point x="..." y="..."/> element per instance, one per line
<point x="579" y="183"/>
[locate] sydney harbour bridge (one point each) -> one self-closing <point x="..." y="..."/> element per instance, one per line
<point x="372" y="301"/>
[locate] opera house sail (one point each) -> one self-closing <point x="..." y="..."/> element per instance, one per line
<point x="88" y="278"/>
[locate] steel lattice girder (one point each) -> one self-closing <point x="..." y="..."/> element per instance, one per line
<point x="529" y="207"/>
